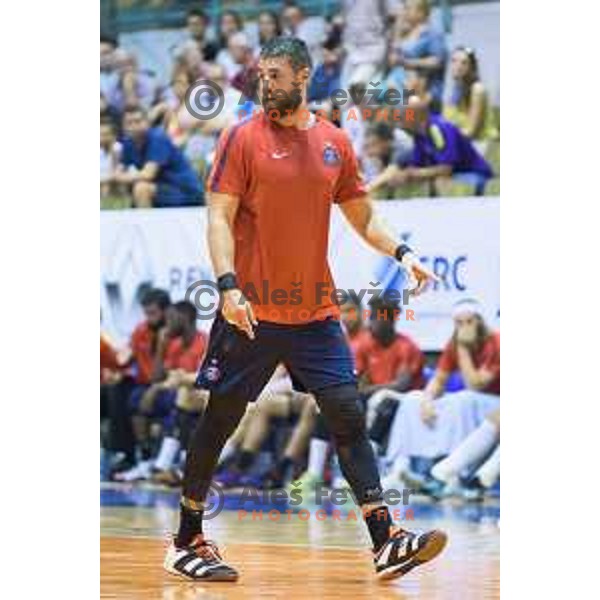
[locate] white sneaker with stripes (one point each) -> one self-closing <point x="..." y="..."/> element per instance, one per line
<point x="200" y="561"/>
<point x="406" y="550"/>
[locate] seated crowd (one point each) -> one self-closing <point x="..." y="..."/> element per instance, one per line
<point x="434" y="430"/>
<point x="155" y="153"/>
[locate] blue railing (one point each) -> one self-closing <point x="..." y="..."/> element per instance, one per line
<point x="132" y="15"/>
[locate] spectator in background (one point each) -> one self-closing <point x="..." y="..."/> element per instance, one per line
<point x="139" y="367"/>
<point x="385" y="358"/>
<point x="326" y="76"/>
<point x="154" y="167"/>
<point x="269" y="28"/>
<point x="133" y="87"/>
<point x="108" y="74"/>
<point x="231" y="39"/>
<point x="415" y="81"/>
<point x="422" y="48"/>
<point x="109" y="113"/>
<point x="442" y="155"/>
<point x="110" y="154"/>
<point x="364" y="40"/>
<point x="388" y="364"/>
<point x="243" y="57"/>
<point x="197" y="25"/>
<point x="384" y="146"/>
<point x="353" y="115"/>
<point x="171" y="397"/>
<point x="231" y="22"/>
<point x="431" y="424"/>
<point x="296" y="24"/>
<point x="468" y="107"/>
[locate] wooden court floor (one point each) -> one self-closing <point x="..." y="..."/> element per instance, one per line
<point x="291" y="559"/>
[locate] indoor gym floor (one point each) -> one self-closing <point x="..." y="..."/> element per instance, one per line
<point x="291" y="559"/>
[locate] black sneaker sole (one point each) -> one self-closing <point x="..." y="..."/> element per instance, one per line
<point x="435" y="544"/>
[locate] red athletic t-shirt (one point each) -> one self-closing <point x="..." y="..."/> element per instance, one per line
<point x="357" y="340"/>
<point x="108" y="357"/>
<point x="143" y="348"/>
<point x="384" y="364"/>
<point x="488" y="356"/>
<point x="188" y="358"/>
<point x="286" y="180"/>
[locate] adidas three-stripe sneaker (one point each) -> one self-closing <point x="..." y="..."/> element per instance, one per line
<point x="406" y="550"/>
<point x="200" y="561"/>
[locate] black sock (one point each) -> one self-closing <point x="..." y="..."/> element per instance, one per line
<point x="379" y="522"/>
<point x="190" y="525"/>
<point x="245" y="460"/>
<point x="146" y="450"/>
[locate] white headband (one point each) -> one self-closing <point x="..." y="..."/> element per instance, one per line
<point x="467" y="307"/>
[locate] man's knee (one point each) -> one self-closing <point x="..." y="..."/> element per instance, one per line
<point x="343" y="412"/>
<point x="143" y="193"/>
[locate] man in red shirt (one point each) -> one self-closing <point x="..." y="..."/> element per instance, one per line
<point x="432" y="424"/>
<point x="387" y="359"/>
<point x="274" y="181"/>
<point x="138" y="368"/>
<point x="171" y="397"/>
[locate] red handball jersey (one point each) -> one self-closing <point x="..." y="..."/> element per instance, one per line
<point x="384" y="364"/>
<point x="286" y="180"/>
<point x="143" y="348"/>
<point x="108" y="357"/>
<point x="488" y="357"/>
<point x="357" y="341"/>
<point x="188" y="358"/>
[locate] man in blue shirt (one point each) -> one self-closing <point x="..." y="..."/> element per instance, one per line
<point x="154" y="167"/>
<point x="441" y="154"/>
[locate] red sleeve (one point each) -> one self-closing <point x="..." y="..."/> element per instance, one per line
<point x="491" y="358"/>
<point x="411" y="358"/>
<point x="108" y="356"/>
<point x="447" y="361"/>
<point x="229" y="171"/>
<point x="350" y="183"/>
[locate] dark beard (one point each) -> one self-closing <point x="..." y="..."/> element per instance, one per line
<point x="284" y="106"/>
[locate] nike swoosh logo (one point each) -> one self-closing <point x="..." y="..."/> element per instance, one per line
<point x="279" y="154"/>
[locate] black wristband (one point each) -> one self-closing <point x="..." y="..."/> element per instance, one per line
<point x="401" y="250"/>
<point x="227" y="281"/>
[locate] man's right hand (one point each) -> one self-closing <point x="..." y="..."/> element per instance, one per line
<point x="238" y="311"/>
<point x="428" y="411"/>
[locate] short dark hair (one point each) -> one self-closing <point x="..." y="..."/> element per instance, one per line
<point x="236" y="17"/>
<point x="108" y="122"/>
<point x="107" y="38"/>
<point x="158" y="297"/>
<point x="187" y="309"/>
<point x="292" y="48"/>
<point x="383" y="306"/>
<point x="128" y="110"/>
<point x="196" y="11"/>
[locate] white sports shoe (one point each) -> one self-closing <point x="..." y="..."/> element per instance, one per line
<point x="198" y="561"/>
<point x="140" y="472"/>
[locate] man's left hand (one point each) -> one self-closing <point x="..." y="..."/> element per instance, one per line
<point x="418" y="274"/>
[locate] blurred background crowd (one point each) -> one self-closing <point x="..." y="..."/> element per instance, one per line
<point x="155" y="153"/>
<point x="433" y="419"/>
